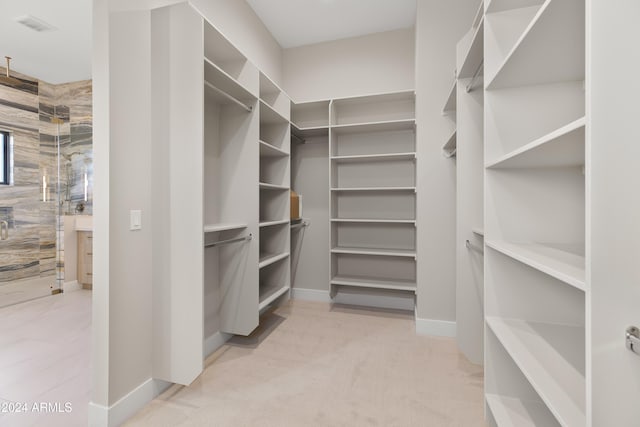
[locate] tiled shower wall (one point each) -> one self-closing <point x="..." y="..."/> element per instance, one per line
<point x="26" y="109"/>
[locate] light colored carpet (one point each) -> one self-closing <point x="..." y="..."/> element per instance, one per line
<point x="312" y="364"/>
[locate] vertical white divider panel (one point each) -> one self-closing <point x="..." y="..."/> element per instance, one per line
<point x="177" y="121"/>
<point x="469" y="207"/>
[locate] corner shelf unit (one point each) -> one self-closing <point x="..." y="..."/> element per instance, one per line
<point x="536" y="290"/>
<point x="372" y="152"/>
<point x="309" y="120"/>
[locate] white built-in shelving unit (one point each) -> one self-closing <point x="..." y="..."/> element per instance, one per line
<point x="469" y="151"/>
<point x="224" y="126"/>
<point x="275" y="241"/>
<point x="536" y="287"/>
<point x="372" y="156"/>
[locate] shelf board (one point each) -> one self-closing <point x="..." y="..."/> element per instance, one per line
<point x="269" y="116"/>
<point x="382" y="126"/>
<point x="479" y="15"/>
<point x="551" y="49"/>
<point x="267" y="259"/>
<point x="475" y="54"/>
<point x="513" y="412"/>
<point x="223" y="81"/>
<point x="564" y="264"/>
<point x="270" y="295"/>
<point x="376" y="189"/>
<point x="561" y="148"/>
<point x="450" y="147"/>
<point x="501" y="5"/>
<point x="375" y="157"/>
<point x="272" y="223"/>
<point x="478" y="231"/>
<point x="309" y="132"/>
<point x="375" y="221"/>
<point x="268" y="150"/>
<point x="406" y="253"/>
<point x="372" y="282"/>
<point x="213" y="228"/>
<point x="265" y="186"/>
<point x="450" y="105"/>
<point x="555" y="374"/>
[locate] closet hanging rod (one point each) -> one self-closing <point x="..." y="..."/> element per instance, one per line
<point x="301" y="224"/>
<point x="469" y="87"/>
<point x="470" y="245"/>
<point x="229" y="97"/>
<point x="226" y="242"/>
<point x="302" y="140"/>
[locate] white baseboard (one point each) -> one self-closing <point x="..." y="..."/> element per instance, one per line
<point x="127" y="406"/>
<point x="71" y="286"/>
<point x="214" y="342"/>
<point x="438" y="328"/>
<point x="310" y="295"/>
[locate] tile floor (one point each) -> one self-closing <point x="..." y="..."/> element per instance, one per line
<point x="44" y="358"/>
<point x="312" y="364"/>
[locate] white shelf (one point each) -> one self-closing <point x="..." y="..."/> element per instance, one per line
<point x="375" y="157"/>
<point x="407" y="253"/>
<point x="566" y="264"/>
<point x="268" y="150"/>
<point x="268" y="259"/>
<point x="272" y="223"/>
<point x="309" y="132"/>
<point x="502" y="5"/>
<point x="551" y="49"/>
<point x="265" y="186"/>
<point x="375" y="221"/>
<point x="372" y="282"/>
<point x="450" y="105"/>
<point x="475" y="54"/>
<point x="555" y="376"/>
<point x="270" y="295"/>
<point x="376" y="189"/>
<point x="512" y="412"/>
<point x="562" y="147"/>
<point x="213" y="228"/>
<point x="478" y="231"/>
<point x="269" y="116"/>
<point x="382" y="126"/>
<point x="450" y="147"/>
<point x="217" y="77"/>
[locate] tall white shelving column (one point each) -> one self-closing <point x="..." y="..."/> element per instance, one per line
<point x="372" y="156"/>
<point x="535" y="287"/>
<point x="470" y="191"/>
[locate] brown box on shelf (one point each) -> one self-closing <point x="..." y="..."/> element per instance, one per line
<point x="295" y="205"/>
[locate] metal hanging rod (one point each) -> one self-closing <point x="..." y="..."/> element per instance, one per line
<point x="301" y="224"/>
<point x="471" y="246"/>
<point x="469" y="87"/>
<point x="226" y="242"/>
<point x="229" y="97"/>
<point x="302" y="140"/>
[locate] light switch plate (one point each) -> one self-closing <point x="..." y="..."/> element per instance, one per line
<point x="135" y="220"/>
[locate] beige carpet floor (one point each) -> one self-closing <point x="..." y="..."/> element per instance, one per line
<point x="314" y="364"/>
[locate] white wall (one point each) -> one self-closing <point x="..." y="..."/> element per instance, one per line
<point x="377" y="63"/>
<point x="439" y="26"/>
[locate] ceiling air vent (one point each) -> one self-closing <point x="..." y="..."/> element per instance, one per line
<point x="34" y="23"/>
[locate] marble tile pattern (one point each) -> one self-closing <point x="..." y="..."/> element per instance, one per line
<point x="27" y="108"/>
<point x="313" y="364"/>
<point x="45" y="357"/>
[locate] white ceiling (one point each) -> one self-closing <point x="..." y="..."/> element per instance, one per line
<point x="59" y="56"/>
<point x="301" y="22"/>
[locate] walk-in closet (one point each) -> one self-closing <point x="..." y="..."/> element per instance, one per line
<point x="365" y="212"/>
